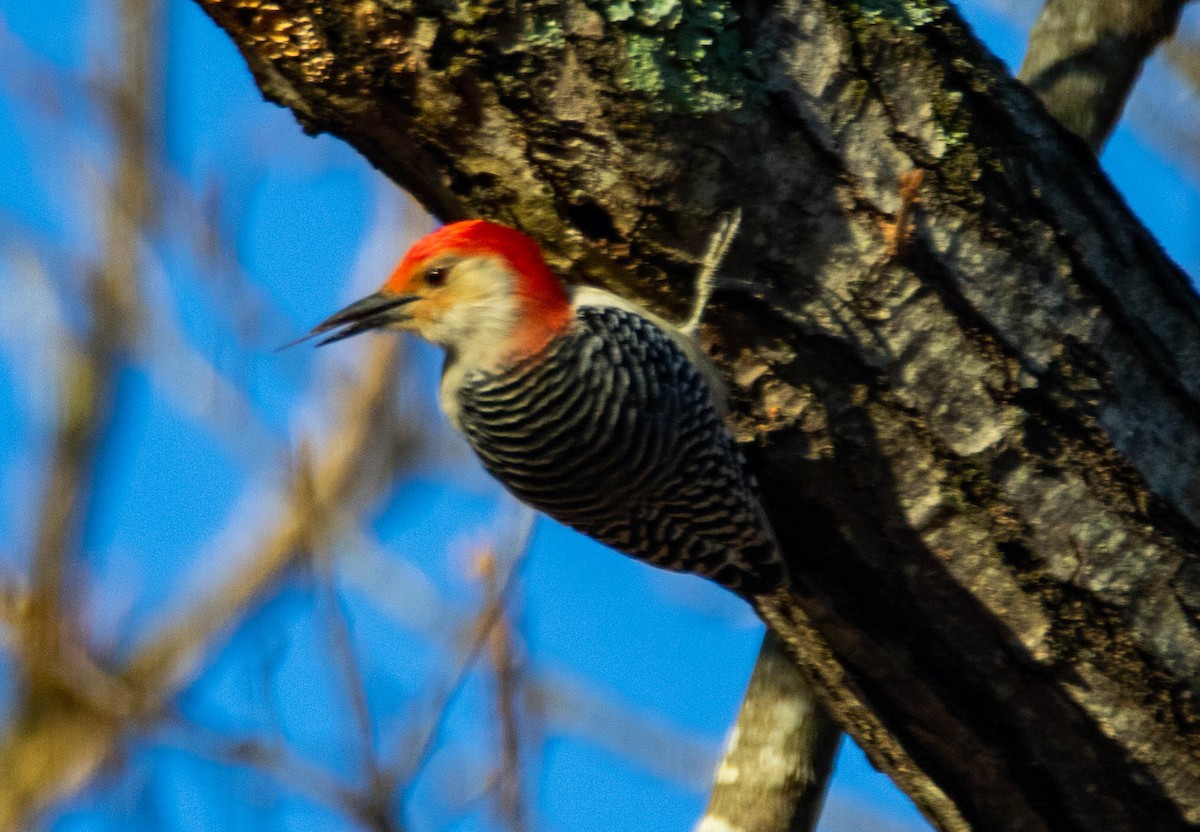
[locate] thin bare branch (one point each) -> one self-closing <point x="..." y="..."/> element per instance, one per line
<point x="63" y="736"/>
<point x="321" y="492"/>
<point x="375" y="791"/>
<point x="278" y="762"/>
<point x="86" y="380"/>
<point x="509" y="686"/>
<point x="71" y="709"/>
<point x="1184" y="56"/>
<point x="70" y="717"/>
<point x="408" y="768"/>
<point x="575" y="706"/>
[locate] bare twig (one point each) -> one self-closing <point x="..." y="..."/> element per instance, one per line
<point x="375" y="792"/>
<point x="86" y="381"/>
<point x="1184" y="55"/>
<point x="509" y="684"/>
<point x="321" y="492"/>
<point x="71" y="710"/>
<point x="574" y="706"/>
<point x="408" y="768"/>
<point x="64" y="736"/>
<point x="289" y="770"/>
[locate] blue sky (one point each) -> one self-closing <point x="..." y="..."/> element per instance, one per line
<point x="310" y="226"/>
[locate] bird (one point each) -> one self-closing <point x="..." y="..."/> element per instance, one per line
<point x="583" y="404"/>
<point x="611" y="420"/>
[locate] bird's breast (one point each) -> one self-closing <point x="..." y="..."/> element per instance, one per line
<point x="593" y="415"/>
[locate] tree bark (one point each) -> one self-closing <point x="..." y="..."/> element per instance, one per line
<point x="968" y="377"/>
<point x="775" y="772"/>
<point x="1084" y="56"/>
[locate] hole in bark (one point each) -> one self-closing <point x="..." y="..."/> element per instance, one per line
<point x="465" y="184"/>
<point x="442" y="49"/>
<point x="593" y="221"/>
<point x="245" y="16"/>
<point x="460" y="183"/>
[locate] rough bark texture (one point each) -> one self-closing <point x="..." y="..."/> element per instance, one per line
<point x="1084" y="56"/>
<point x="969" y="385"/>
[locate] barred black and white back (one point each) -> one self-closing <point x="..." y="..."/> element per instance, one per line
<point x="614" y="430"/>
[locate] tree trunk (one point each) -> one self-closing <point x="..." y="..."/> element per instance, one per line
<point x="968" y="377"/>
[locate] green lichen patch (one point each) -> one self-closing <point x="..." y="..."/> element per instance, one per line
<point x="544" y="33"/>
<point x="909" y="14"/>
<point x="686" y="55"/>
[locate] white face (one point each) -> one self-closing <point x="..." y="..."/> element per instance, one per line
<point x="466" y="305"/>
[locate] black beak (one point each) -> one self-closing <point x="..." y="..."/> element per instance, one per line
<point x="371" y="312"/>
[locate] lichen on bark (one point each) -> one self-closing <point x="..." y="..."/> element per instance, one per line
<point x="686" y="56"/>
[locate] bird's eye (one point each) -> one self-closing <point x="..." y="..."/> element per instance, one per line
<point x="437" y="276"/>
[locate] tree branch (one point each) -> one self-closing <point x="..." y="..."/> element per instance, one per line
<point x="71" y="720"/>
<point x="87" y="380"/>
<point x="980" y="448"/>
<point x="780" y="756"/>
<point x="1085" y="55"/>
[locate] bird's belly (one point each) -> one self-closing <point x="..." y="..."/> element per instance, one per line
<point x="651" y="483"/>
<point x="592" y="471"/>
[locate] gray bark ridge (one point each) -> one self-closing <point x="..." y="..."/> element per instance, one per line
<point x="968" y="378"/>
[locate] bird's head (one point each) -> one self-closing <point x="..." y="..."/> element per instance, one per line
<point x="479" y="289"/>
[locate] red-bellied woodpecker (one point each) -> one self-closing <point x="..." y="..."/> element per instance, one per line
<point x="585" y="406"/>
<point x="610" y="420"/>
